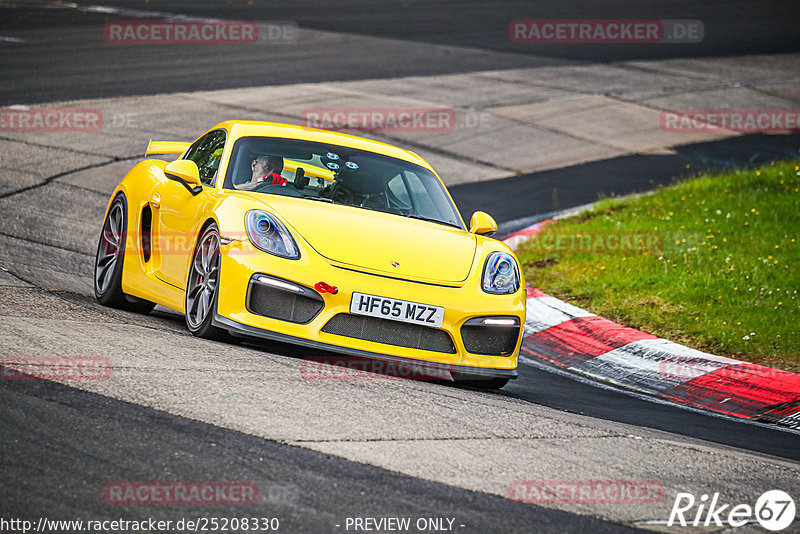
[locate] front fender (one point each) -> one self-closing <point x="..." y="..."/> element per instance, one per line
<point x="137" y="183"/>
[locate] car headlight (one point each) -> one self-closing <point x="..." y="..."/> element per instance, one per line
<point x="269" y="234"/>
<point x="500" y="274"/>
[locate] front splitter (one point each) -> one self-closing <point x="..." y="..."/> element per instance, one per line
<point x="246" y="330"/>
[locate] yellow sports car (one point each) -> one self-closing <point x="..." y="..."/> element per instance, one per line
<point x="317" y="238"/>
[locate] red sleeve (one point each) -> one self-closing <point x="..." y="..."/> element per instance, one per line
<point x="277" y="179"/>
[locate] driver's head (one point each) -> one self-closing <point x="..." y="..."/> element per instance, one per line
<point x="266" y="165"/>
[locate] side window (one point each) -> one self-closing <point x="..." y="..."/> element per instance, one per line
<point x="206" y="152"/>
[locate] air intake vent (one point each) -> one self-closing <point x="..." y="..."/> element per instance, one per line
<point x="390" y="332"/>
<point x="489" y="336"/>
<point x="276" y="302"/>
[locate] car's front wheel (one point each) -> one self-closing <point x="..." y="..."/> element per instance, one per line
<point x="110" y="259"/>
<point x="202" y="286"/>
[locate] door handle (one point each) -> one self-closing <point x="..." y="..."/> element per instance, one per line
<point x="155" y="200"/>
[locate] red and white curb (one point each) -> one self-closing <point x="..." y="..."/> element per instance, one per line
<point x="580" y="341"/>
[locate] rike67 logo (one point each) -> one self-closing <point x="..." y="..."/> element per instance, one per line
<point x="774" y="510"/>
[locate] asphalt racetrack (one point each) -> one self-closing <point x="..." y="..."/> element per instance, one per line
<point x="184" y="409"/>
<point x="64" y="59"/>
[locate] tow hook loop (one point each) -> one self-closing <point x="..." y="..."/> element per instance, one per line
<point x="322" y="287"/>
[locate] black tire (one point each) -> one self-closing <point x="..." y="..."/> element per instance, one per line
<point x="109" y="261"/>
<point x="479" y="382"/>
<point x="202" y="287"/>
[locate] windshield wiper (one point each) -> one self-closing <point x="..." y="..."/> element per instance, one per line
<point x="429" y="219"/>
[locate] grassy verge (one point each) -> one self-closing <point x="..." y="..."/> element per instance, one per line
<point x="712" y="262"/>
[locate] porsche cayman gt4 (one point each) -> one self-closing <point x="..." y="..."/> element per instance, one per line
<point x="316" y="238"/>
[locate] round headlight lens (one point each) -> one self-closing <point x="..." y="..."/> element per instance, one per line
<point x="264" y="225"/>
<point x="267" y="233"/>
<point x="500" y="274"/>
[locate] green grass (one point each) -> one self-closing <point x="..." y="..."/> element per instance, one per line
<point x="723" y="277"/>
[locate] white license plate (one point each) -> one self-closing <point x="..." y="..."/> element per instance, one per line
<point x="397" y="310"/>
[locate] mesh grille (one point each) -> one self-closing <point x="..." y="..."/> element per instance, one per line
<point x="277" y="304"/>
<point x="390" y="332"/>
<point x="488" y="340"/>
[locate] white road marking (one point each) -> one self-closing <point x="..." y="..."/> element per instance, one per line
<point x="653" y="365"/>
<point x="544" y="312"/>
<point x="573" y="375"/>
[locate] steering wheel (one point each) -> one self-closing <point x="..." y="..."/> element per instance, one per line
<point x="340" y="194"/>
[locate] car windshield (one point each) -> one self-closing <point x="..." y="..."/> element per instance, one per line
<point x="339" y="175"/>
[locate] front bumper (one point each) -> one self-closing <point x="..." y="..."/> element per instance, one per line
<point x="243" y="329"/>
<point x="240" y="262"/>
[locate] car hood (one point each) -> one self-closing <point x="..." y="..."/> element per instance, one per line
<point x="376" y="241"/>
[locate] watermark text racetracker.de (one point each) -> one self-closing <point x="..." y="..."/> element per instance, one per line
<point x="170" y="243"/>
<point x="605" y="31"/>
<point x="731" y="120"/>
<point x="166" y="243"/>
<point x="26" y="119"/>
<point x="612" y="242"/>
<point x="49" y="120"/>
<point x="98" y="526"/>
<point x="586" y="491"/>
<point x="203" y="32"/>
<point x="687" y="369"/>
<point x="54" y="368"/>
<point x="180" y="493"/>
<point x="393" y="119"/>
<point x="355" y="368"/>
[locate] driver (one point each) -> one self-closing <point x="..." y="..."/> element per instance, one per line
<point x="265" y="169"/>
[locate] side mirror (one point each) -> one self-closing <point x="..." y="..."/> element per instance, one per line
<point x="482" y="223"/>
<point x="184" y="170"/>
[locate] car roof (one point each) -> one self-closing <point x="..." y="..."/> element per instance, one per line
<point x="242" y="128"/>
